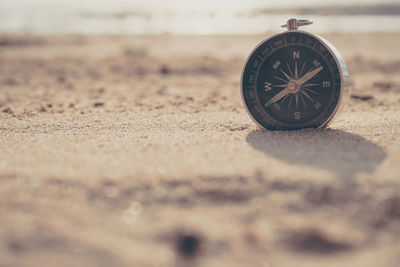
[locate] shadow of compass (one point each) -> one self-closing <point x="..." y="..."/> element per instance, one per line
<point x="343" y="153"/>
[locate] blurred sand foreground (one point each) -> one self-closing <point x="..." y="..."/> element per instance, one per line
<point x="137" y="151"/>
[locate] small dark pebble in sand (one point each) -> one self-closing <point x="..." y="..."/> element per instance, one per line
<point x="385" y="86"/>
<point x="314" y="241"/>
<point x="389" y="212"/>
<point x="98" y="104"/>
<point x="16" y="246"/>
<point x="393" y="207"/>
<point x="93" y="73"/>
<point x="42" y="109"/>
<point x="8" y="110"/>
<point x="164" y="70"/>
<point x="61" y="79"/>
<point x="10" y="82"/>
<point x="188" y="245"/>
<point x="161" y="91"/>
<point x="362" y="97"/>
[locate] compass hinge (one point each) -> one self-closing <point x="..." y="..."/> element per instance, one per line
<point x="294" y="24"/>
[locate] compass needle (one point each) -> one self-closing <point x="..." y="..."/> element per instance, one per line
<point x="296" y="76"/>
<point x="309" y="70"/>
<point x="283" y="99"/>
<point x="309" y="75"/>
<point x="278" y="96"/>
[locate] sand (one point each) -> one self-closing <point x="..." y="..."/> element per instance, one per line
<point x="137" y="151"/>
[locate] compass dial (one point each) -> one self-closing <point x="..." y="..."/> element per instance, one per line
<point x="291" y="81"/>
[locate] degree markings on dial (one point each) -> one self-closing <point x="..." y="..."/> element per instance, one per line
<point x="307" y="97"/>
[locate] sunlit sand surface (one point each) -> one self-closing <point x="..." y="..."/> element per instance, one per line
<point x="137" y="151"/>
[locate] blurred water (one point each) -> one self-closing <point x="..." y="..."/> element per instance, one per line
<point x="188" y="16"/>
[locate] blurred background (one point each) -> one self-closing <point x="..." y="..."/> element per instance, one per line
<point x="193" y="17"/>
<point x="124" y="140"/>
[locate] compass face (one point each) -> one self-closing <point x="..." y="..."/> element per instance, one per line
<point x="292" y="81"/>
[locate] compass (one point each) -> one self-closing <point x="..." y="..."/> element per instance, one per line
<point x="294" y="80"/>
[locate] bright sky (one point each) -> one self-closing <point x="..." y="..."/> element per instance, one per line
<point x="203" y="5"/>
<point x="176" y="16"/>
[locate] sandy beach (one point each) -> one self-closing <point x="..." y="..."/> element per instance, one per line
<point x="138" y="151"/>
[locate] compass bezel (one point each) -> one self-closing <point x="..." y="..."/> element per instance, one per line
<point x="343" y="90"/>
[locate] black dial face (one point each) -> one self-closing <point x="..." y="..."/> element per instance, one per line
<point x="291" y="81"/>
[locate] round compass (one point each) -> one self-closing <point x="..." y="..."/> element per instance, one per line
<point x="293" y="80"/>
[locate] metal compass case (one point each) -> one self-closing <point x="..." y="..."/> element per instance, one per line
<point x="293" y="80"/>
